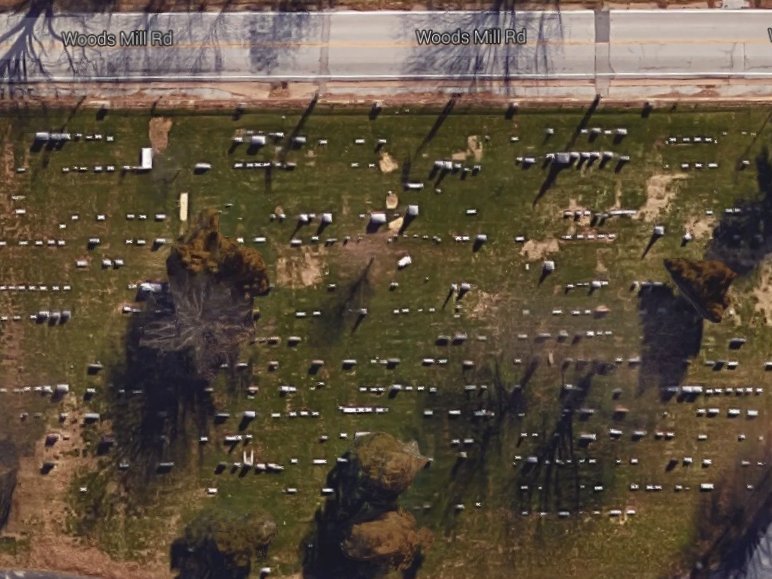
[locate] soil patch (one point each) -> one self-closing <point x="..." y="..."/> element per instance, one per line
<point x="701" y="228"/>
<point x="40" y="503"/>
<point x="373" y="252"/>
<point x="158" y="131"/>
<point x="299" y="271"/>
<point x="484" y="304"/>
<point x="387" y="164"/>
<point x="763" y="292"/>
<point x="583" y="221"/>
<point x="396" y="225"/>
<point x="392" y="200"/>
<point x="660" y="191"/>
<point x="600" y="267"/>
<point x="41" y="499"/>
<point x="7" y="173"/>
<point x="7" y="162"/>
<point x="618" y="195"/>
<point x="68" y="556"/>
<point x="533" y="250"/>
<point x="474" y="147"/>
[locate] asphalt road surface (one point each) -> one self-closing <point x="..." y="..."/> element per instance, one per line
<point x="576" y="45"/>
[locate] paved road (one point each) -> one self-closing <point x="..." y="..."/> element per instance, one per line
<point x="577" y="45"/>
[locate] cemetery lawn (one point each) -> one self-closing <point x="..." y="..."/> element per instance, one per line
<point x="523" y="376"/>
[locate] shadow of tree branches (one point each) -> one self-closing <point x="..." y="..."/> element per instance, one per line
<point x="205" y="37"/>
<point x="478" y="62"/>
<point x="742" y="239"/>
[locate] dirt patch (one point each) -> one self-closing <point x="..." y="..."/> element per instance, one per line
<point x="763" y="292"/>
<point x="7" y="173"/>
<point x="66" y="555"/>
<point x="484" y="304"/>
<point x="392" y="200"/>
<point x="387" y="164"/>
<point x="600" y="267"/>
<point x="702" y="227"/>
<point x="40" y="500"/>
<point x="11" y="340"/>
<point x="396" y="225"/>
<point x="374" y="253"/>
<point x="618" y="195"/>
<point x="660" y="191"/>
<point x="7" y="157"/>
<point x="474" y="147"/>
<point x="40" y="508"/>
<point x="303" y="270"/>
<point x="158" y="132"/>
<point x="583" y="221"/>
<point x="533" y="250"/>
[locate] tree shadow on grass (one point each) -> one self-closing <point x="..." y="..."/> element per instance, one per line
<point x="174" y="348"/>
<point x="9" y="465"/>
<point x="732" y="527"/>
<point x="320" y="549"/>
<point x="554" y="481"/>
<point x="549" y="180"/>
<point x="203" y="563"/>
<point x="672" y="335"/>
<point x="743" y="239"/>
<point x="343" y="306"/>
<point x="222" y="542"/>
<point x="583" y="122"/>
<point x="158" y="404"/>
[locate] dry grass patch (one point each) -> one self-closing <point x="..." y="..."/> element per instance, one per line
<point x="534" y="250"/>
<point x="763" y="292"/>
<point x="303" y="270"/>
<point x="660" y="191"/>
<point x="392" y="200"/>
<point x="396" y="224"/>
<point x="701" y="227"/>
<point x="474" y="147"/>
<point x="387" y="164"/>
<point x="158" y="132"/>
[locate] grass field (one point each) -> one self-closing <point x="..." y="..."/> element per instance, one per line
<point x="523" y="375"/>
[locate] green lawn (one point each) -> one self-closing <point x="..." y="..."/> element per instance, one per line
<point x="506" y="300"/>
